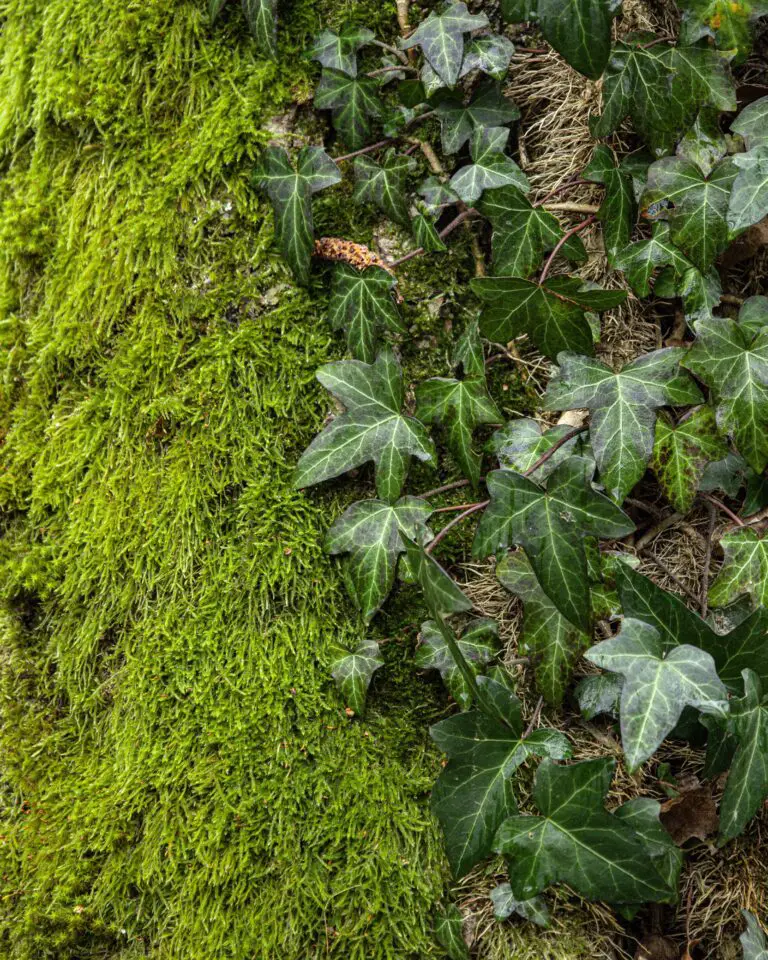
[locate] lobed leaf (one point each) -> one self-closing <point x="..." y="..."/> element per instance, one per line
<point x="353" y="671"/>
<point x="338" y="51"/>
<point x="479" y="644"/>
<point x="505" y="904"/>
<point x="441" y="38"/>
<point x="261" y="16"/>
<point x="747" y="785"/>
<point x="353" y="102"/>
<point x="383" y="184"/>
<point x="744" y="569"/>
<point x="362" y="305"/>
<point x="681" y="454"/>
<point x="490" y="167"/>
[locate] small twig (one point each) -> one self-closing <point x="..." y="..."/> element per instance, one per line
<point x="729" y="298"/>
<point x="446" y="488"/>
<point x="387" y="142"/>
<point x="554" y="448"/>
<point x="531" y="49"/>
<point x="676" y="580"/>
<point x="456" y="520"/>
<point x="707" y="559"/>
<point x="400" y="54"/>
<point x="456" y="506"/>
<point x="567" y="236"/>
<point x="726" y="510"/>
<point x="572" y="207"/>
<point x="754" y="518"/>
<point x="646" y="507"/>
<point x="399" y="67"/>
<point x="534" y="719"/>
<point x="656" y="529"/>
<point x="402" y="16"/>
<point x="457" y="221"/>
<point x="574" y="181"/>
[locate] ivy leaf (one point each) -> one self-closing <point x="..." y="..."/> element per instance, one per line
<point x="550" y="525"/>
<point x="700" y="292"/>
<point x="553" y="644"/>
<point x="575" y="841"/>
<point x="472" y="795"/>
<point x="599" y="694"/>
<point x="749" y="197"/>
<point x="623" y="408"/>
<point x="441" y="38"/>
<point x="353" y="102"/>
<point x="449" y="932"/>
<point x="704" y="144"/>
<point x="461" y="405"/>
<point x="580" y="30"/>
<point x="733" y="363"/>
<point x="490" y="166"/>
<point x="744" y="569"/>
<point x="618" y="210"/>
<point x="640" y="260"/>
<point x="518" y="11"/>
<point x="658" y="684"/>
<point x="362" y="304"/>
<point x="383" y="185"/>
<point x="490" y="53"/>
<point x="261" y="16"/>
<point x="353" y="673"/>
<point x="468" y="352"/>
<point x="745" y="645"/>
<point x="552" y="314"/>
<point x="338" y="51"/>
<point x="752" y="124"/>
<point x="728" y="23"/>
<point x="426" y="235"/>
<point x="753" y="942"/>
<point x="747" y="784"/>
<point x="479" y="643"/>
<point x="643" y="815"/>
<point x="441" y="594"/>
<point x="505" y="904"/>
<point x="522" y="443"/>
<point x="290" y="192"/>
<point x="681" y="453"/>
<point x="698" y="219"/>
<point x="371" y="428"/>
<point x="369" y="531"/>
<point x="487" y="108"/>
<point x="436" y="194"/>
<point x="521" y="232"/>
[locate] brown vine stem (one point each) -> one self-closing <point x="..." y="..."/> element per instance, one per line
<point x="656" y="529"/>
<point x="726" y="510"/>
<point x="400" y="54"/>
<point x="534" y="718"/>
<point x="457" y="221"/>
<point x="574" y="181"/>
<point x="672" y="576"/>
<point x="554" y="448"/>
<point x="387" y="142"/>
<point x="456" y="520"/>
<point x="446" y="488"/>
<point x="568" y="234"/>
<point x="729" y="298"/>
<point x="397" y="67"/>
<point x="456" y="506"/>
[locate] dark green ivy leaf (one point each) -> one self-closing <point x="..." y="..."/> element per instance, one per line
<point x="575" y="841"/>
<point x="505" y="904"/>
<point x="441" y="594"/>
<point x="704" y="144"/>
<point x="338" y="51"/>
<point x="353" y="102"/>
<point x="290" y="192"/>
<point x="261" y="16"/>
<point x="733" y="362"/>
<point x="753" y="942"/>
<point x="744" y="569"/>
<point x="362" y="304"/>
<point x="681" y="453"/>
<point x="479" y="643"/>
<point x="353" y="671"/>
<point x="371" y="428"/>
<point x="552" y="314"/>
<point x="521" y="444"/>
<point x="426" y="235"/>
<point x="623" y="408"/>
<point x="487" y="108"/>
<point x="658" y="683"/>
<point x="553" y="644"/>
<point x="698" y="217"/>
<point x="449" y="932"/>
<point x="369" y="531"/>
<point x="749" y="198"/>
<point x="490" y="166"/>
<point x="747" y="784"/>
<point x="618" y="210"/>
<point x="550" y="525"/>
<point x="599" y="694"/>
<point x="490" y="54"/>
<point x="580" y="30"/>
<point x="473" y="793"/>
<point x="441" y="38"/>
<point x="518" y="11"/>
<point x="383" y="185"/>
<point x="641" y="259"/>
<point x="752" y="124"/>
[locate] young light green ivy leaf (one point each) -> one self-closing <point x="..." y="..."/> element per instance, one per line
<point x="478" y="642"/>
<point x="553" y="644"/>
<point x="623" y="408"/>
<point x="698" y="217"/>
<point x="574" y="840"/>
<point x="369" y="531"/>
<point x="473" y="795"/>
<point x="681" y="454"/>
<point x="353" y="102"/>
<point x="290" y="192"/>
<point x="441" y="38"/>
<point x="522" y="233"/>
<point x="745" y="646"/>
<point x="658" y="683"/>
<point x="744" y="569"/>
<point x="639" y="261"/>
<point x="362" y="305"/>
<point x="700" y="293"/>
<point x="383" y="184"/>
<point x="727" y="22"/>
<point x="490" y="166"/>
<point x="261" y="17"/>
<point x="732" y="360"/>
<point x="426" y="235"/>
<point x="353" y="671"/>
<point x="550" y="525"/>
<point x="522" y="443"/>
<point x="449" y="930"/>
<point x="552" y="313"/>
<point x="580" y="30"/>
<point x="488" y="107"/>
<point x="489" y="53"/>
<point x="371" y="428"/>
<point x="505" y="904"/>
<point x="749" y="197"/>
<point x="752" y="124"/>
<point x="338" y="51"/>
<point x="753" y="942"/>
<point x="747" y="785"/>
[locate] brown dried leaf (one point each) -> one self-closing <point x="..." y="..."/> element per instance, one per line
<point x="655" y="947"/>
<point x="692" y="814"/>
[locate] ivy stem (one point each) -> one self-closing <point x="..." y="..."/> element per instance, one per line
<point x="574" y="181"/>
<point x="726" y="510"/>
<point x="400" y="54"/>
<point x="384" y="143"/>
<point x="456" y="520"/>
<point x="456" y="506"/>
<point x="567" y="236"/>
<point x="534" y="719"/>
<point x="398" y="67"/>
<point x="703" y="600"/>
<point x="446" y="488"/>
<point x="554" y="448"/>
